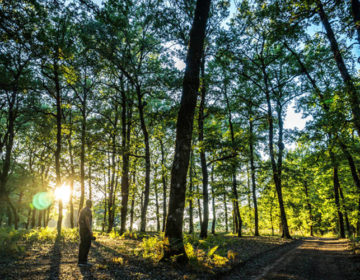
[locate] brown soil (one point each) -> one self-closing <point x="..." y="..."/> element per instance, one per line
<point x="316" y="258"/>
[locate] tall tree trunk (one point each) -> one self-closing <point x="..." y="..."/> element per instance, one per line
<point x="326" y="108"/>
<point x="191" y="194"/>
<point x="82" y="154"/>
<point x="72" y="176"/>
<point x="238" y="220"/>
<point x="336" y="194"/>
<point x="164" y="182"/>
<point x="28" y="219"/>
<point x="147" y="160"/>
<point x="184" y="129"/>
<point x="226" y="213"/>
<point x="156" y="202"/>
<point x="105" y="206"/>
<point x="33" y="218"/>
<point x="237" y="216"/>
<point x="126" y="117"/>
<point x="9" y="215"/>
<point x="348" y="228"/>
<point x="9" y="143"/>
<point x="349" y="84"/>
<point x="58" y="144"/>
<point x="235" y="220"/>
<point x="40" y="218"/>
<point x="308" y="204"/>
<point x="113" y="180"/>
<point x="205" y="175"/>
<point x="132" y="211"/>
<point x="253" y="181"/>
<point x="271" y="212"/>
<point x="213" y="225"/>
<point x="89" y="179"/>
<point x="276" y="167"/>
<point x="199" y="204"/>
<point x="248" y="179"/>
<point x="48" y="216"/>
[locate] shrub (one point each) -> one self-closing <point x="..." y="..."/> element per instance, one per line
<point x="153" y="247"/>
<point x="9" y="241"/>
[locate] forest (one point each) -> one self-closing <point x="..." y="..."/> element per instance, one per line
<point x="199" y="129"/>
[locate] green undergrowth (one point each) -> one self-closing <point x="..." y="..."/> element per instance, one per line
<point x="355" y="245"/>
<point x="203" y="254"/>
<point x="13" y="241"/>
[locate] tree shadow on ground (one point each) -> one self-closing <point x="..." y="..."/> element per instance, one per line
<point x="86" y="273"/>
<point x="129" y="269"/>
<point x="55" y="260"/>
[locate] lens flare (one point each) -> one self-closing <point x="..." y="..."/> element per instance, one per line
<point x="42" y="200"/>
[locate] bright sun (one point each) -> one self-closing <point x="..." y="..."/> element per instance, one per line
<point x="63" y="193"/>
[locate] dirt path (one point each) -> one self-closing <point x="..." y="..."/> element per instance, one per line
<point x="327" y="259"/>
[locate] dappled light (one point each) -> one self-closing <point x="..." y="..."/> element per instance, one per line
<point x="179" y="139"/>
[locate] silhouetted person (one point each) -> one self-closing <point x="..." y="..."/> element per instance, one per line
<point x="86" y="234"/>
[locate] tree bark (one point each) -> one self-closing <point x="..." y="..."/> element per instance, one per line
<point x="82" y="157"/>
<point x="199" y="204"/>
<point x="309" y="208"/>
<point x="33" y="218"/>
<point x="205" y="175"/>
<point x="276" y="167"/>
<point x="336" y="193"/>
<point x="40" y="217"/>
<point x="348" y="227"/>
<point x="252" y="167"/>
<point x="58" y="141"/>
<point x="72" y="176"/>
<point x="147" y="160"/>
<point x="184" y="129"/>
<point x="191" y="194"/>
<point x="326" y="108"/>
<point x="213" y="225"/>
<point x="28" y="219"/>
<point x="9" y="143"/>
<point x="132" y="211"/>
<point x="113" y="181"/>
<point x="349" y="84"/>
<point x="237" y="216"/>
<point x="126" y="133"/>
<point x="226" y="214"/>
<point x="164" y="182"/>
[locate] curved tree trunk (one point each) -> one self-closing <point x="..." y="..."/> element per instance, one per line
<point x="184" y="127"/>
<point x="349" y="83"/>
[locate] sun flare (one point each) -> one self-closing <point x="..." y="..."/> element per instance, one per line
<point x="63" y="193"/>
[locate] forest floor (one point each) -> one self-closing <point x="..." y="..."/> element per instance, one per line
<point x="310" y="259"/>
<point x="248" y="258"/>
